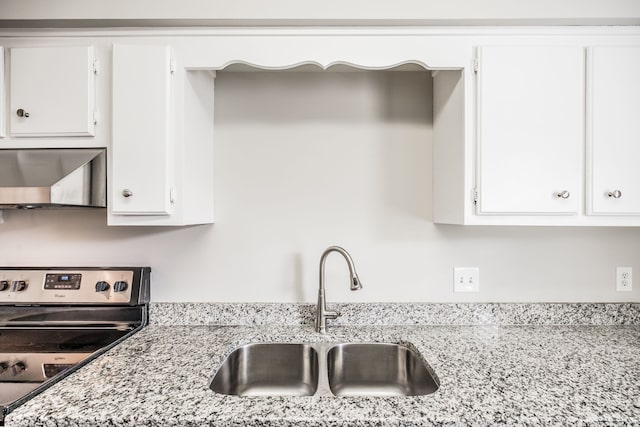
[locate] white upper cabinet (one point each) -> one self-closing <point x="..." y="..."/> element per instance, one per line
<point x="613" y="130"/>
<point x="539" y="126"/>
<point x="529" y="129"/>
<point x="161" y="164"/>
<point x="52" y="91"/>
<point x="141" y="130"/>
<point x="540" y="135"/>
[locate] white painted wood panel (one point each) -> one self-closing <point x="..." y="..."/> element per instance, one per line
<point x="530" y="129"/>
<point x="2" y="96"/>
<point x="614" y="130"/>
<point x="448" y="147"/>
<point x="141" y="127"/>
<point x="55" y="87"/>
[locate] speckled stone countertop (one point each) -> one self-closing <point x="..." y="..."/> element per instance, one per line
<point x="394" y="314"/>
<point x="518" y="374"/>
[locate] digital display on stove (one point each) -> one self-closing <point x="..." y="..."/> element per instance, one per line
<point x="62" y="281"/>
<point x="53" y="369"/>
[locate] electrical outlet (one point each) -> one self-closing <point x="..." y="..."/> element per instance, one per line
<point x="466" y="279"/>
<point x="624" y="281"/>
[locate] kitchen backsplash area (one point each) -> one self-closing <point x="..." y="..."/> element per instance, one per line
<point x="355" y="315"/>
<point x="306" y="160"/>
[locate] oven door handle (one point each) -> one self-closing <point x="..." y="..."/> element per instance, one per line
<point x="71" y="324"/>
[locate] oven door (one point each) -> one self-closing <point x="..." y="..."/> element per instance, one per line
<point x="33" y="359"/>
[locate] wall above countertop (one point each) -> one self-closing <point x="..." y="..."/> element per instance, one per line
<point x="354" y="169"/>
<point x="304" y="160"/>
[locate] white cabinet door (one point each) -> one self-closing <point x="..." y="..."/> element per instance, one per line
<point x="613" y="133"/>
<point x="530" y="129"/>
<point x="52" y="91"/>
<point x="141" y="132"/>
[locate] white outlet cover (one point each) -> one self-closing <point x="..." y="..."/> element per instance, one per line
<point x="466" y="279"/>
<point x="624" y="282"/>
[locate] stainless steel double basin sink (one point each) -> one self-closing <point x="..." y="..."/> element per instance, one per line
<point x="324" y="369"/>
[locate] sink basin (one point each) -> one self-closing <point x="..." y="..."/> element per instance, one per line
<point x="377" y="369"/>
<point x="269" y="370"/>
<point x="324" y="369"/>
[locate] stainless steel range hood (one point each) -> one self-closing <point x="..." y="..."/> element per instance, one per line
<point x="52" y="178"/>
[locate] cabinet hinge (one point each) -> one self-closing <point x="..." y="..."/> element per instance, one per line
<point x="95" y="117"/>
<point x="475" y="196"/>
<point x="95" y="66"/>
<point x="475" y="65"/>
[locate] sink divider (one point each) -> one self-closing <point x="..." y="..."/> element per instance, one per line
<point x="322" y="350"/>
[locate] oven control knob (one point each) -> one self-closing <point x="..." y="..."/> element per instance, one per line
<point x="19" y="285"/>
<point x="3" y="367"/>
<point x="17" y="368"/>
<point x="4" y="285"/>
<point x="120" y="286"/>
<point x="102" y="286"/>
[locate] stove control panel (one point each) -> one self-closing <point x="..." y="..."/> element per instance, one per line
<point x="53" y="286"/>
<point x="36" y="367"/>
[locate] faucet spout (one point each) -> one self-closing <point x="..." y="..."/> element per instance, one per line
<point x="322" y="313"/>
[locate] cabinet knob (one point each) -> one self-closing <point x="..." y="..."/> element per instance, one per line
<point x="615" y="194"/>
<point x="21" y="113"/>
<point x="127" y="193"/>
<point x="563" y="194"/>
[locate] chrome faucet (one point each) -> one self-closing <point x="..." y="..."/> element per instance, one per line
<point x="322" y="314"/>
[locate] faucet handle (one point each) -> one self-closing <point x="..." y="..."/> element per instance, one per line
<point x="331" y="314"/>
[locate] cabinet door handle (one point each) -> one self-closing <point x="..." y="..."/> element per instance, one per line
<point x="21" y="113"/>
<point x="563" y="194"/>
<point x="615" y="194"/>
<point x="127" y="193"/>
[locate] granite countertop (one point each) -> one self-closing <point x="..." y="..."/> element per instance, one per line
<point x="523" y="374"/>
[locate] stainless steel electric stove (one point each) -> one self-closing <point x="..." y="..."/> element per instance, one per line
<point x="55" y="320"/>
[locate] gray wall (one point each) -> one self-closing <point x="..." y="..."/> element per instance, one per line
<point x="308" y="160"/>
